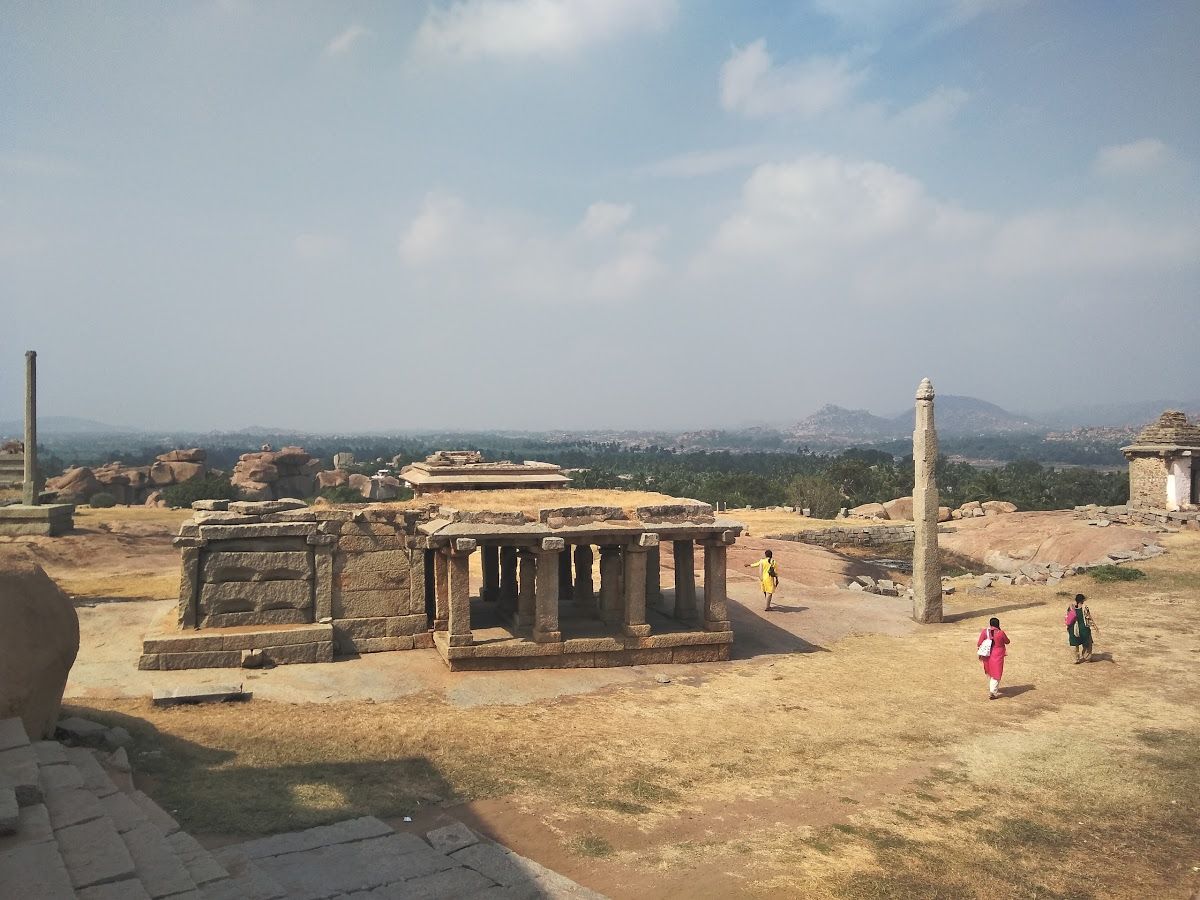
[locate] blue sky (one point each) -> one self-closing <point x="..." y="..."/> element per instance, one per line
<point x="588" y="213"/>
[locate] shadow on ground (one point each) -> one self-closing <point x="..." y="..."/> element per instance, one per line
<point x="989" y="611"/>
<point x="755" y="636"/>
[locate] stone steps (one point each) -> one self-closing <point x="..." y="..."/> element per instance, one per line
<point x="74" y="832"/>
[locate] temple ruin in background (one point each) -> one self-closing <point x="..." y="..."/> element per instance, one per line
<point x="466" y="470"/>
<point x="1163" y="474"/>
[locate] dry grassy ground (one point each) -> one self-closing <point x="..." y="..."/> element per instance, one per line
<point x="877" y="769"/>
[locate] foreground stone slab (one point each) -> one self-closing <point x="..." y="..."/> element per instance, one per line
<point x="19" y="773"/>
<point x="49" y="520"/>
<point x="157" y="816"/>
<point x="12" y="734"/>
<point x="451" y="838"/>
<point x="94" y="853"/>
<point x="95" y="779"/>
<point x="457" y="882"/>
<point x="130" y="889"/>
<point x="72" y="807"/>
<point x="214" y="693"/>
<point x="158" y="868"/>
<point x="82" y="731"/>
<point x="322" y="836"/>
<point x="40" y="871"/>
<point x="10" y="812"/>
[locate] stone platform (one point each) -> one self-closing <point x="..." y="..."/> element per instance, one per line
<point x="248" y="646"/>
<point x="49" y="520"/>
<point x="586" y="644"/>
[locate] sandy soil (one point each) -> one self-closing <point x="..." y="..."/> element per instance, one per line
<point x="844" y="752"/>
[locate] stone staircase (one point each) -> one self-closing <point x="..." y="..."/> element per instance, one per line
<point x="70" y="828"/>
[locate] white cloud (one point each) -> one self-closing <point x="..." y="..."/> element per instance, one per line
<point x="753" y="85"/>
<point x="697" y="163"/>
<point x="503" y="255"/>
<point x="1133" y="158"/>
<point x="864" y="230"/>
<point x="939" y="107"/>
<point x="345" y="41"/>
<point x="520" y="28"/>
<point x="937" y="15"/>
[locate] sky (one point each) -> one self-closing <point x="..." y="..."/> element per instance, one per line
<point x="569" y="214"/>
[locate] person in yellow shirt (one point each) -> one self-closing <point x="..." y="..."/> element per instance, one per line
<point x="769" y="574"/>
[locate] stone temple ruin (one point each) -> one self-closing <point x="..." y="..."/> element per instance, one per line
<point x="465" y="470"/>
<point x="1163" y="474"/>
<point x="276" y="582"/>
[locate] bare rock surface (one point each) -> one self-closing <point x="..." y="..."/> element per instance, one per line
<point x="39" y="639"/>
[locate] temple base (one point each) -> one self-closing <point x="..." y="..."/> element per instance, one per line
<point x="49" y="520"/>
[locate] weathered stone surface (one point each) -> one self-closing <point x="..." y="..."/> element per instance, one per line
<point x="211" y="505"/>
<point x="72" y="806"/>
<point x="155" y="814"/>
<point x="290" y="565"/>
<point x="158" y="868"/>
<point x="60" y="778"/>
<point x="899" y="509"/>
<point x="200" y="865"/>
<point x="82" y="731"/>
<point x="19" y="773"/>
<point x="95" y="779"/>
<point x="12" y="734"/>
<point x="451" y="838"/>
<point x="457" y="882"/>
<point x="357" y="866"/>
<point x="265" y="530"/>
<point x="94" y="853"/>
<point x="240" y="597"/>
<point x="927" y="577"/>
<point x="378" y="645"/>
<point x="320" y="652"/>
<point x="494" y="862"/>
<point x="129" y="889"/>
<point x="39" y="869"/>
<point x="998" y="507"/>
<point x="869" y="511"/>
<point x="210" y="693"/>
<point x="369" y="543"/>
<point x="384" y="626"/>
<point x="10" y="812"/>
<point x="223" y="518"/>
<point x="696" y="654"/>
<point x="39" y="637"/>
<point x="50" y="753"/>
<point x="322" y="836"/>
<point x="370" y="604"/>
<point x="122" y="811"/>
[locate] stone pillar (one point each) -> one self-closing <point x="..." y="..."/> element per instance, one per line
<point x="31" y="488"/>
<point x="716" y="616"/>
<point x="565" y="588"/>
<point x="323" y="548"/>
<point x="927" y="573"/>
<point x="654" y="595"/>
<point x="634" y="579"/>
<point x="611" y="571"/>
<point x="685" y="579"/>
<point x="416" y="579"/>
<point x="441" y="589"/>
<point x="546" y="591"/>
<point x="585" y="597"/>
<point x="491" y="574"/>
<point x="526" y="597"/>
<point x="189" y="579"/>
<point x="460" y="592"/>
<point x="508" y="578"/>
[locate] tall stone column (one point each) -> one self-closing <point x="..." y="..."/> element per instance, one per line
<point x="545" y="623"/>
<point x="611" y="570"/>
<point x="416" y="576"/>
<point x="189" y="578"/>
<point x="653" y="577"/>
<point x="685" y="579"/>
<point x="584" y="596"/>
<point x="441" y="589"/>
<point x="31" y="490"/>
<point x="460" y="592"/>
<point x="491" y="574"/>
<point x="526" y="596"/>
<point x="508" y="578"/>
<point x="634" y="581"/>
<point x="565" y="588"/>
<point x="927" y="574"/>
<point x="716" y="616"/>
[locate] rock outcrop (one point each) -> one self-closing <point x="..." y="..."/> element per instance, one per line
<point x="275" y="474"/>
<point x="39" y="637"/>
<point x="130" y="485"/>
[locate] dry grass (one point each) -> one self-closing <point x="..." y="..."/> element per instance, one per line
<point x="115" y="517"/>
<point x="122" y="586"/>
<point x="762" y="522"/>
<point x="530" y="501"/>
<point x="874" y="770"/>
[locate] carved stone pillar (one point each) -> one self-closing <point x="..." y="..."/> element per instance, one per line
<point x="545" y="623"/>
<point x="610" y="584"/>
<point x="460" y="592"/>
<point x="716" y="616"/>
<point x="634" y="582"/>
<point x="526" y="596"/>
<point x="441" y="589"/>
<point x="685" y="579"/>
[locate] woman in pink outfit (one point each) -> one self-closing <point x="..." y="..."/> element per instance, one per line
<point x="993" y="664"/>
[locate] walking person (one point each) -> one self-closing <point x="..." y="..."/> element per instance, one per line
<point x="1080" y="626"/>
<point x="993" y="647"/>
<point x="769" y="576"/>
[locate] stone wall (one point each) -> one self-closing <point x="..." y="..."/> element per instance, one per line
<point x="865" y="535"/>
<point x="1132" y="515"/>
<point x="1147" y="482"/>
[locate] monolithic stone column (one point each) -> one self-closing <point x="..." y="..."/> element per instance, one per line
<point x="545" y="623"/>
<point x="31" y="488"/>
<point x="526" y="597"/>
<point x="460" y="592"/>
<point x="491" y="574"/>
<point x="323" y="547"/>
<point x="441" y="589"/>
<point x="634" y="579"/>
<point x="927" y="575"/>
<point x="685" y="579"/>
<point x="654" y="595"/>
<point x="508" y="578"/>
<point x="189" y="579"/>
<point x="610" y="584"/>
<point x="564" y="573"/>
<point x="584" y="596"/>
<point x="716" y="617"/>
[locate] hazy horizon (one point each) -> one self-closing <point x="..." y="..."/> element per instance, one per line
<point x="569" y="215"/>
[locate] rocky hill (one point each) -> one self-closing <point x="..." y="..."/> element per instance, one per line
<point x="955" y="415"/>
<point x="836" y="423"/>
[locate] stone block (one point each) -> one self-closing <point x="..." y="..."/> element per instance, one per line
<point x="296" y="544"/>
<point x="358" y="866"/>
<point x="51" y="753"/>
<point x="211" y="505"/>
<point x="72" y="806"/>
<point x="350" y="830"/>
<point x="451" y="838"/>
<point x="12" y="734"/>
<point x="10" y="812"/>
<point x="59" y="778"/>
<point x="129" y="889"/>
<point x="258" y="507"/>
<point x="317" y="652"/>
<point x="493" y="861"/>
<point x="387" y="626"/>
<point x="155" y="814"/>
<point x="39" y="869"/>
<point x="265" y="530"/>
<point x="286" y="566"/>
<point x="678" y="639"/>
<point x="95" y="779"/>
<point x="370" y="543"/>
<point x="457" y="882"/>
<point x="553" y="543"/>
<point x="94" y="853"/>
<point x="370" y="529"/>
<point x="593" y="645"/>
<point x="377" y="645"/>
<point x="370" y="604"/>
<point x="649" y="657"/>
<point x="223" y="518"/>
<point x="695" y="654"/>
<point x="243" y="596"/>
<point x="19" y="773"/>
<point x="158" y="868"/>
<point x="200" y="865"/>
<point x="199" y="659"/>
<point x="215" y="693"/>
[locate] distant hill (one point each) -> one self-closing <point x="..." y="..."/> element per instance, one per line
<point x="836" y="423"/>
<point x="63" y="425"/>
<point x="970" y="415"/>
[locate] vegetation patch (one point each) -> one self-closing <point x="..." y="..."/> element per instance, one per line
<point x="1112" y="573"/>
